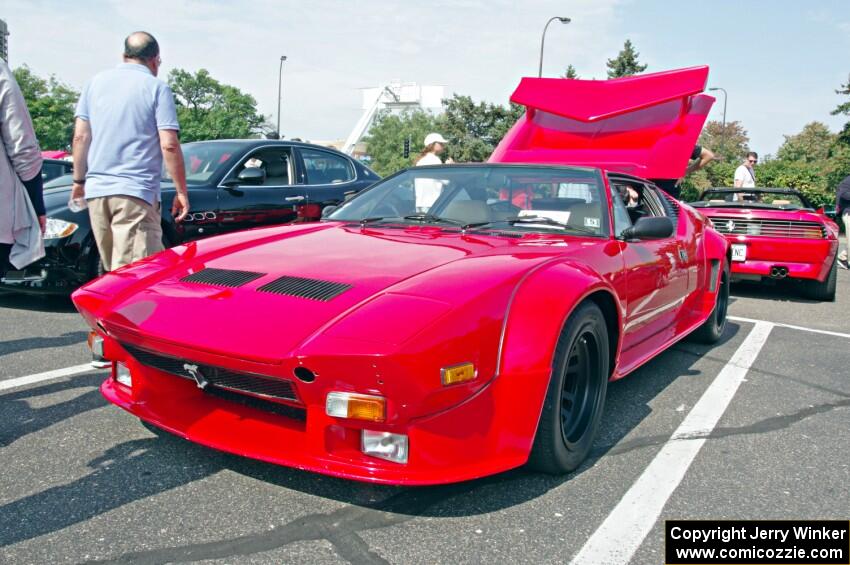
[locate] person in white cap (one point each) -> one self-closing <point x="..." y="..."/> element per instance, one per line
<point x="428" y="190"/>
<point x="434" y="145"/>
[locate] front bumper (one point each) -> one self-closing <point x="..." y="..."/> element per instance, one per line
<point x="462" y="443"/>
<point x="60" y="272"/>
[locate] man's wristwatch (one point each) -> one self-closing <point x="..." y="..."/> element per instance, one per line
<point x="75" y="181"/>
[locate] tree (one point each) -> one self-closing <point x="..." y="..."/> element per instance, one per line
<point x="208" y="109"/>
<point x="729" y="144"/>
<point x="810" y="145"/>
<point x="570" y="72"/>
<point x="625" y="63"/>
<point x="844" y="108"/>
<point x="474" y="130"/>
<point x="51" y="105"/>
<point x="386" y="137"/>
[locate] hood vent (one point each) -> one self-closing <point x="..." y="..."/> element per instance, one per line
<point x="305" y="288"/>
<point x="222" y="277"/>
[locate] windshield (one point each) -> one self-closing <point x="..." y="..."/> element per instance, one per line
<point x="742" y="197"/>
<point x="540" y="199"/>
<point x="203" y="160"/>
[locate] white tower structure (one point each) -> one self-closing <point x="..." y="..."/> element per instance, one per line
<point x="396" y="97"/>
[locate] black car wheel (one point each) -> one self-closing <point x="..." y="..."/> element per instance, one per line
<point x="574" y="401"/>
<point x="712" y="329"/>
<point x="823" y="291"/>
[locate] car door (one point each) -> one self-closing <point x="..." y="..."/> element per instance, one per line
<point x="243" y="204"/>
<point x="328" y="177"/>
<point x="655" y="281"/>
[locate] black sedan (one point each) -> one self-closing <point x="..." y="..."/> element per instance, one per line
<point x="233" y="185"/>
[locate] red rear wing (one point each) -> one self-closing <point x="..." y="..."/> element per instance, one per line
<point x="645" y="125"/>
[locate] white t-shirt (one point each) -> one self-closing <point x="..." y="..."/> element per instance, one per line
<point x="746" y="176"/>
<point x="427" y="190"/>
<point x="429" y="159"/>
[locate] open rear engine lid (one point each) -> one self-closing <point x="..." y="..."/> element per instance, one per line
<point x="645" y="125"/>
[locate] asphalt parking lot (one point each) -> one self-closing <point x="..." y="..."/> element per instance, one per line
<point x="756" y="427"/>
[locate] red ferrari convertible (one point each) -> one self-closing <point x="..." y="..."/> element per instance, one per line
<point x="449" y="322"/>
<point x="775" y="233"/>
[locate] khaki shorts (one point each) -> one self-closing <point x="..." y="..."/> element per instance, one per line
<point x="125" y="229"/>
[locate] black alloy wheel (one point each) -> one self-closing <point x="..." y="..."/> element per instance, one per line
<point x="575" y="398"/>
<point x="581" y="389"/>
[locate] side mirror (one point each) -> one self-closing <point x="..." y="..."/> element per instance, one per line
<point x="831" y="214"/>
<point x="252" y="175"/>
<point x="328" y="210"/>
<point x="650" y="227"/>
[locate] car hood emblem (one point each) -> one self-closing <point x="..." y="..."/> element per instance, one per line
<point x="730" y="226"/>
<point x="196" y="374"/>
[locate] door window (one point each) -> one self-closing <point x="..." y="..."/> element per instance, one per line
<point x="275" y="162"/>
<point x="323" y="167"/>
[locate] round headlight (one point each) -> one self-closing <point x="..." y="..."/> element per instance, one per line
<point x="57" y="229"/>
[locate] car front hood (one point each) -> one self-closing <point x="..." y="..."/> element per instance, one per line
<point x="257" y="322"/>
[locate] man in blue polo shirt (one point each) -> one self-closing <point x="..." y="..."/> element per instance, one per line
<point x="126" y="125"/>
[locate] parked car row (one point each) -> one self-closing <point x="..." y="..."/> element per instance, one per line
<point x="233" y="185"/>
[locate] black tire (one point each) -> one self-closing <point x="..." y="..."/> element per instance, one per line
<point x="823" y="291"/>
<point x="575" y="398"/>
<point x="712" y="329"/>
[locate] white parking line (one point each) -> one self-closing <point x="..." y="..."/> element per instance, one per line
<point x="781" y="325"/>
<point x="9" y="384"/>
<point x="625" y="528"/>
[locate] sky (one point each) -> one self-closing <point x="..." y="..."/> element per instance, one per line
<point x="779" y="61"/>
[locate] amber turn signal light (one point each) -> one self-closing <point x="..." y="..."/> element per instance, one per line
<point x="458" y="374"/>
<point x="356" y="406"/>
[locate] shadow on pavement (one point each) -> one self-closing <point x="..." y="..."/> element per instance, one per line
<point x="19" y="419"/>
<point x="30" y="343"/>
<point x="786" y="291"/>
<point x="36" y="303"/>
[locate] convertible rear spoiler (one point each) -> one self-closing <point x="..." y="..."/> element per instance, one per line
<point x="645" y="125"/>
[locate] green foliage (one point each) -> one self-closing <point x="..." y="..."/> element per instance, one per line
<point x="844" y="108"/>
<point x="625" y="63"/>
<point x="729" y="144"/>
<point x="570" y="72"/>
<point x="717" y="173"/>
<point x="51" y="105"/>
<point x="208" y="109"/>
<point x="386" y="139"/>
<point x="805" y="177"/>
<point x="474" y="130"/>
<point x="810" y="145"/>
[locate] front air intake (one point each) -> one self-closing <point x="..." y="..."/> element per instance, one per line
<point x="222" y="277"/>
<point x="311" y="289"/>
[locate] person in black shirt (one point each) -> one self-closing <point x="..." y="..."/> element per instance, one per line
<point x="842" y="207"/>
<point x="700" y="157"/>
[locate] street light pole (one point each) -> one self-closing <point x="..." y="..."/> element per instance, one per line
<point x="279" y="81"/>
<point x="543" y="38"/>
<point x="723" y="90"/>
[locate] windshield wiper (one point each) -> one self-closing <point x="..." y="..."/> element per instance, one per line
<point x="534" y="220"/>
<point x="432" y="219"/>
<point x="371" y="219"/>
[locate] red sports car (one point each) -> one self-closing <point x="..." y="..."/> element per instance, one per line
<point x="775" y="233"/>
<point x="449" y="322"/>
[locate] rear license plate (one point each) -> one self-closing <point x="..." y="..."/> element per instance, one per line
<point x="739" y="252"/>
